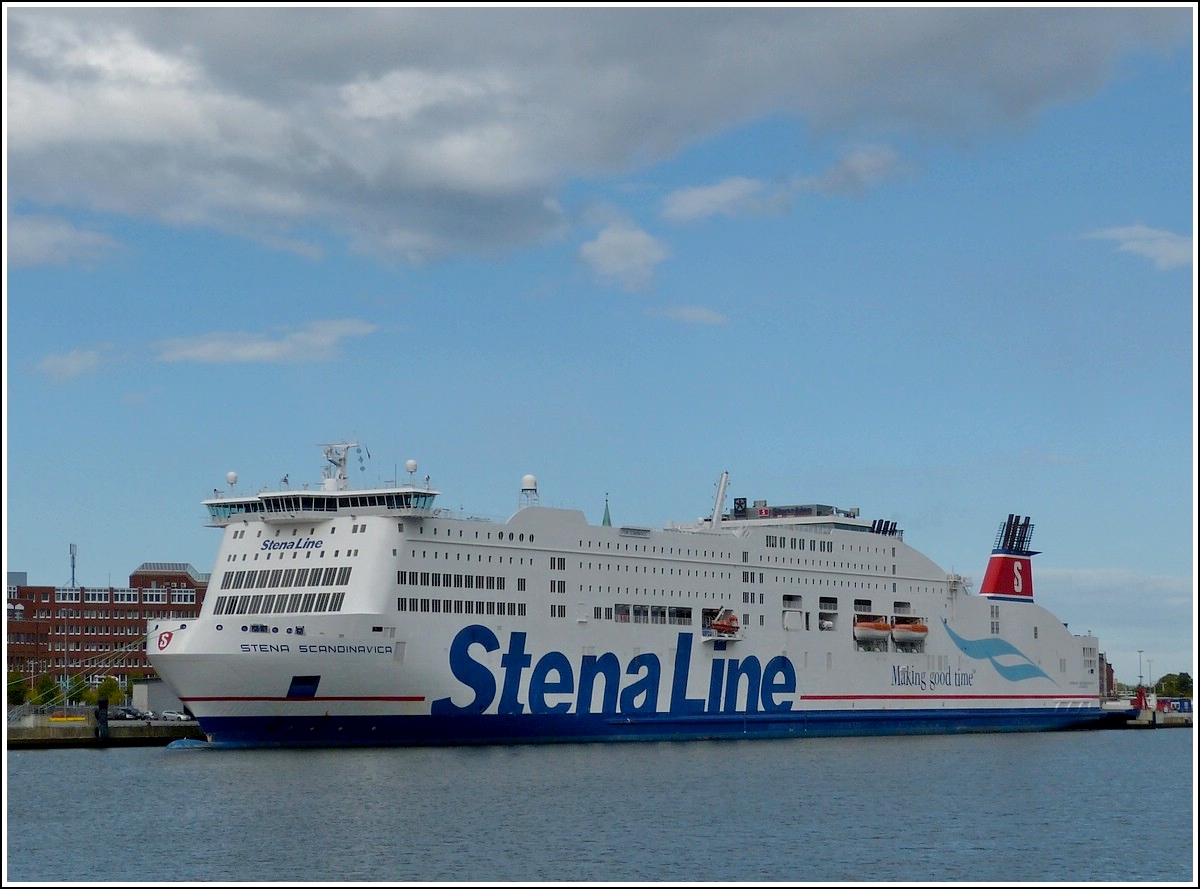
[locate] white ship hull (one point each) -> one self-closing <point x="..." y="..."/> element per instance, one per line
<point x="443" y="630"/>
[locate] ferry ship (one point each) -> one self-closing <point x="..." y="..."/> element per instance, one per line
<point x="338" y="616"/>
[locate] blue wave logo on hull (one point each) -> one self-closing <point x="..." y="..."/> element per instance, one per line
<point x="993" y="647"/>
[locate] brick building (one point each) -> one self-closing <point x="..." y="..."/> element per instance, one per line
<point x="95" y="632"/>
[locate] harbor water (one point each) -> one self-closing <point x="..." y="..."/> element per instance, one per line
<point x="1099" y="806"/>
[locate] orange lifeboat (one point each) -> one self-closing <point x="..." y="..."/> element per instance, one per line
<point x="871" y="629"/>
<point x="910" y="632"/>
<point x="726" y="623"/>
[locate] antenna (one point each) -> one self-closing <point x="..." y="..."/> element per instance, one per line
<point x="74" y="550"/>
<point x="722" y="485"/>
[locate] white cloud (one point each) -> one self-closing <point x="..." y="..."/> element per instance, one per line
<point x="69" y="365"/>
<point x="403" y="94"/>
<point x="856" y="172"/>
<point x="102" y="51"/>
<point x="625" y="254"/>
<point x="44" y="240"/>
<point x="731" y="197"/>
<point x="318" y="341"/>
<point x="1165" y="249"/>
<point x="417" y="133"/>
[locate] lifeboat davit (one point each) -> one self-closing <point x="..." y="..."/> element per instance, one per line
<point x="914" y="632"/>
<point x="871" y="629"/>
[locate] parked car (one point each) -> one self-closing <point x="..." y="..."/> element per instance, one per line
<point x="174" y="716"/>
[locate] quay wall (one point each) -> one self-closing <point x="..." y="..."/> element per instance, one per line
<point x="42" y="734"/>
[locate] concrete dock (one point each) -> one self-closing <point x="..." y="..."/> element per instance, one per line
<point x="1161" y="719"/>
<point x="44" y="734"/>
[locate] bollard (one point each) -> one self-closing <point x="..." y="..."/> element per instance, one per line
<point x="102" y="720"/>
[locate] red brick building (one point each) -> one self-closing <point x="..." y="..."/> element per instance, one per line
<point x="95" y="632"/>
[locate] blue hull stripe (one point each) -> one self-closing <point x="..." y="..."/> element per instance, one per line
<point x="397" y="731"/>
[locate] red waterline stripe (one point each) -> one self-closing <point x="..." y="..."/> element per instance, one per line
<point x="406" y="698"/>
<point x="913" y="697"/>
<point x="919" y="697"/>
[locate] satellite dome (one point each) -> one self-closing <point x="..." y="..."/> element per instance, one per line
<point x="231" y="477"/>
<point x="529" y="483"/>
<point x="411" y="466"/>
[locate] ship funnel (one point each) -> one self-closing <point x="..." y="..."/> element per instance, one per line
<point x="1009" y="572"/>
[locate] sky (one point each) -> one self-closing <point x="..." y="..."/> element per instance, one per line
<point x="937" y="264"/>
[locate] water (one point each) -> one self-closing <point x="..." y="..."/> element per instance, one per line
<point x="1109" y="806"/>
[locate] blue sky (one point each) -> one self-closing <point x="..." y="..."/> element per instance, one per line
<point x="936" y="264"/>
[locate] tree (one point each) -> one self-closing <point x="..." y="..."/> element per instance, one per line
<point x="18" y="689"/>
<point x="48" y="690"/>
<point x="78" y="689"/>
<point x="1174" y="685"/>
<point x="110" y="688"/>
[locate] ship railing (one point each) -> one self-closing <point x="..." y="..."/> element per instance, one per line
<point x="307" y="515"/>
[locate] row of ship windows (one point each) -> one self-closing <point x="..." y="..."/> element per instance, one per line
<point x="645" y="614"/>
<point x="460" y="606"/>
<point x="308" y="552"/>
<point x="826" y="563"/>
<point x="661" y="550"/>
<point x="608" y="545"/>
<point x="457" y="581"/>
<point x="622" y="613"/>
<point x="558" y="563"/>
<point x="519" y="538"/>
<point x="829" y="604"/>
<point x="774" y="541"/>
<point x="497" y="582"/>
<point x="285" y="577"/>
<point x="283" y="603"/>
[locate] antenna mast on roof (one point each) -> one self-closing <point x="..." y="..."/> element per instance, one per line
<point x="73" y="551"/>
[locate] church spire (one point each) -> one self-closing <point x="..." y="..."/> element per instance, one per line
<point x="607" y="519"/>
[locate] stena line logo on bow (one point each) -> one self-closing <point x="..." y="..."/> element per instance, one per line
<point x="164" y="639"/>
<point x="299" y="543"/>
<point x="603" y="684"/>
